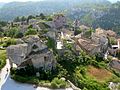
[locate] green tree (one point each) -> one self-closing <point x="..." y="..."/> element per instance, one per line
<point x="78" y="31"/>
<point x="9" y="42"/>
<point x="3" y="23"/>
<point x="31" y="32"/>
<point x="49" y="19"/>
<point x="112" y="40"/>
<point x="12" y="32"/>
<point x="42" y="16"/>
<point x="23" y="18"/>
<point x="19" y="34"/>
<point x="1" y="30"/>
<point x="17" y="19"/>
<point x="1" y="36"/>
<point x="30" y="17"/>
<point x="58" y="83"/>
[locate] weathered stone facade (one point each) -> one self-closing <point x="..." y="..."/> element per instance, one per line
<point x="58" y="22"/>
<point x="97" y="43"/>
<point x="115" y="63"/>
<point x="32" y="52"/>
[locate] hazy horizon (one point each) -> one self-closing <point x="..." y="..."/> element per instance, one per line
<point x="6" y="1"/>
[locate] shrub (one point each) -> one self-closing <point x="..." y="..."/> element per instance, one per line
<point x="19" y="35"/>
<point x="85" y="88"/>
<point x="30" y="26"/>
<point x="77" y="32"/>
<point x="9" y="42"/>
<point x="51" y="44"/>
<point x="31" y="32"/>
<point x="2" y="58"/>
<point x="30" y="80"/>
<point x="58" y="83"/>
<point x="116" y="73"/>
<point x="112" y="40"/>
<point x="49" y="19"/>
<point x="2" y="63"/>
<point x="12" y="71"/>
<point x="118" y="87"/>
<point x="88" y="33"/>
<point x="54" y="85"/>
<point x="12" y="32"/>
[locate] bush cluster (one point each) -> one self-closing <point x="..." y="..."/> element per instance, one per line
<point x="2" y="58"/>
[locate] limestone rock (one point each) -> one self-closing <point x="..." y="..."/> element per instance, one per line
<point x="59" y="21"/>
<point x="17" y="53"/>
<point x="19" y="41"/>
<point x="111" y="33"/>
<point x="96" y="44"/>
<point x="32" y="52"/>
<point x="115" y="64"/>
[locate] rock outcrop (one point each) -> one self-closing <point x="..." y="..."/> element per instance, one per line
<point x="31" y="52"/>
<point x="97" y="43"/>
<point x="59" y="21"/>
<point x="115" y="64"/>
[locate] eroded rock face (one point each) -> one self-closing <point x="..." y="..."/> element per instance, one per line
<point x="111" y="33"/>
<point x="115" y="64"/>
<point x="59" y="21"/>
<point x="17" y="53"/>
<point x="102" y="41"/>
<point x="32" y="52"/>
<point x="88" y="46"/>
<point x="96" y="44"/>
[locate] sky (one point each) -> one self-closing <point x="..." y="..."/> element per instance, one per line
<point x="38" y="0"/>
<point x="18" y="0"/>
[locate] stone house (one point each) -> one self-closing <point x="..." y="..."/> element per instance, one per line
<point x="32" y="52"/>
<point x="51" y="34"/>
<point x="88" y="46"/>
<point x="115" y="63"/>
<point x="96" y="44"/>
<point x="59" y="21"/>
<point x="33" y="21"/>
<point x="114" y="48"/>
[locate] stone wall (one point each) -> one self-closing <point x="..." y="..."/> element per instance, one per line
<point x="32" y="52"/>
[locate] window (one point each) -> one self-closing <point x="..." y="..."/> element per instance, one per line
<point x="35" y="46"/>
<point x="46" y="58"/>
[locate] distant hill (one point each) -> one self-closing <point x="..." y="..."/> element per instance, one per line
<point x="111" y="20"/>
<point x="95" y="13"/>
<point x="14" y="9"/>
<point x="1" y="4"/>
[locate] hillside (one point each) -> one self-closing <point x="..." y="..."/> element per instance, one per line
<point x="1" y="4"/>
<point x="14" y="9"/>
<point x="95" y="13"/>
<point x="49" y="53"/>
<point x="111" y="20"/>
